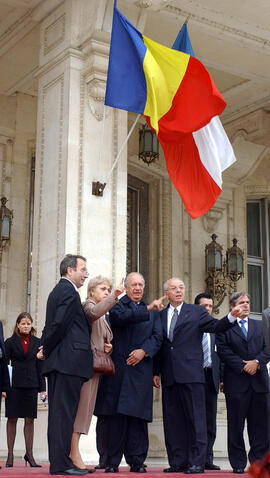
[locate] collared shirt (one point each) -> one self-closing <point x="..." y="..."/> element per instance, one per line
<point x="170" y="314"/>
<point x="74" y="285"/>
<point x="245" y="324"/>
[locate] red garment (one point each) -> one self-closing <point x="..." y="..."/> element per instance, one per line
<point x="25" y="342"/>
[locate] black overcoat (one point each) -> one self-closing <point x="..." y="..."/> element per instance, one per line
<point x="130" y="390"/>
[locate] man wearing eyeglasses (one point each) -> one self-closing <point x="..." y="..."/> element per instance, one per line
<point x="180" y="364"/>
<point x="246" y="385"/>
<point x="68" y="361"/>
<point x="126" y="398"/>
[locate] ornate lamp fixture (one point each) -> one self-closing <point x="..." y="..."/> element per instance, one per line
<point x="6" y="216"/>
<point x="221" y="276"/>
<point x="148" y="145"/>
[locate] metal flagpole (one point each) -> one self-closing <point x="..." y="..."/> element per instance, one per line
<point x="97" y="187"/>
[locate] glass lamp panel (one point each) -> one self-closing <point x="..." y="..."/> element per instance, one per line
<point x="211" y="260"/>
<point x="240" y="267"/>
<point x="155" y="144"/>
<point x="5" y="232"/>
<point x="232" y="263"/>
<point x="148" y="143"/>
<point x="218" y="260"/>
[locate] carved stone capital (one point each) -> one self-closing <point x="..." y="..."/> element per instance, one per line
<point x="144" y="3"/>
<point x="253" y="127"/>
<point x="96" y="88"/>
<point x="211" y="218"/>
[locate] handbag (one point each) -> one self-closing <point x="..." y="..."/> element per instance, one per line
<point x="103" y="363"/>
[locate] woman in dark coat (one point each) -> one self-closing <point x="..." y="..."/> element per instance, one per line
<point x="26" y="382"/>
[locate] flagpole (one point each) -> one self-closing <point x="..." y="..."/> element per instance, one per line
<point x="101" y="141"/>
<point x="97" y="187"/>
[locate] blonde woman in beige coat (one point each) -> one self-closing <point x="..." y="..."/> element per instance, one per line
<point x="99" y="301"/>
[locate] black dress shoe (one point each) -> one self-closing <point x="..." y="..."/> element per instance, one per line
<point x="70" y="472"/>
<point x="138" y="469"/>
<point x="100" y="466"/>
<point x="193" y="469"/>
<point x="111" y="469"/>
<point x="175" y="469"/>
<point x="238" y="470"/>
<point x="211" y="466"/>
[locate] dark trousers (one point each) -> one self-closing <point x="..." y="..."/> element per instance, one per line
<point x="184" y="421"/>
<point x="127" y="436"/>
<point x="102" y="439"/>
<point x="63" y="398"/>
<point x="211" y="414"/>
<point x="251" y="407"/>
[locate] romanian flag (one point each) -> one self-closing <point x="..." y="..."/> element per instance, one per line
<point x="178" y="97"/>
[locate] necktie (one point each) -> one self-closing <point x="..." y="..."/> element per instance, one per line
<point x="206" y="351"/>
<point x="172" y="325"/>
<point x="243" y="328"/>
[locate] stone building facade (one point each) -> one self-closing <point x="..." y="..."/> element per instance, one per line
<point x="54" y="58"/>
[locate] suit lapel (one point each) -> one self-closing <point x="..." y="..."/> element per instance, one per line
<point x="251" y="328"/>
<point x="184" y="313"/>
<point x="237" y="330"/>
<point x="164" y="320"/>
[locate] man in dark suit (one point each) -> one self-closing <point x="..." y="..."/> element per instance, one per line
<point x="211" y="367"/>
<point x="68" y="361"/>
<point x="246" y="385"/>
<point x="266" y="327"/>
<point x="180" y="364"/>
<point x="127" y="397"/>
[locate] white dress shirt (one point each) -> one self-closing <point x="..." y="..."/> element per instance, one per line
<point x="170" y="314"/>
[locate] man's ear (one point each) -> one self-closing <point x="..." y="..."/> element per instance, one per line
<point x="166" y="294"/>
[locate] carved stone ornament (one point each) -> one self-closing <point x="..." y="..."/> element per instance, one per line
<point x="96" y="96"/>
<point x="211" y="218"/>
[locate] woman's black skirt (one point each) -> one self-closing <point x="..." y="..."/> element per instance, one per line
<point x="21" y="403"/>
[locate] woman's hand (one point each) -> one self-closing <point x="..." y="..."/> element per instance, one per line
<point x="108" y="347"/>
<point x="119" y="289"/>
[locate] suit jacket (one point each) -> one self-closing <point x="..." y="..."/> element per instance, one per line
<point x="266" y="327"/>
<point x="4" y="375"/>
<point x="26" y="368"/>
<point x="130" y="390"/>
<point x="66" y="335"/>
<point x="233" y="348"/>
<point x="181" y="360"/>
<point x="215" y="363"/>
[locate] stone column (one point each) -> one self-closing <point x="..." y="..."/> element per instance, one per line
<point x="68" y="218"/>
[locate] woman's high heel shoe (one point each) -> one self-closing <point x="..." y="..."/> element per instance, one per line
<point x="9" y="462"/>
<point x="32" y="462"/>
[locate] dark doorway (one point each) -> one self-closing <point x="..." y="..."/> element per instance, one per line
<point x="138" y="229"/>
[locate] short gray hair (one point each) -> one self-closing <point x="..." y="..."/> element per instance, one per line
<point x="235" y="296"/>
<point x="128" y="277"/>
<point x="165" y="285"/>
<point x="94" y="282"/>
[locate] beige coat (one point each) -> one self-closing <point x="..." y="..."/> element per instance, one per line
<point x="101" y="331"/>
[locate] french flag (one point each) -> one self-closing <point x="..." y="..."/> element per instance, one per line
<point x="196" y="160"/>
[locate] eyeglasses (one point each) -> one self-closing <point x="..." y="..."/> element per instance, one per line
<point x="180" y="287"/>
<point x="85" y="271"/>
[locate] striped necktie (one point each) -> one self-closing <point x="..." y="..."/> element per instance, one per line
<point x="206" y="351"/>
